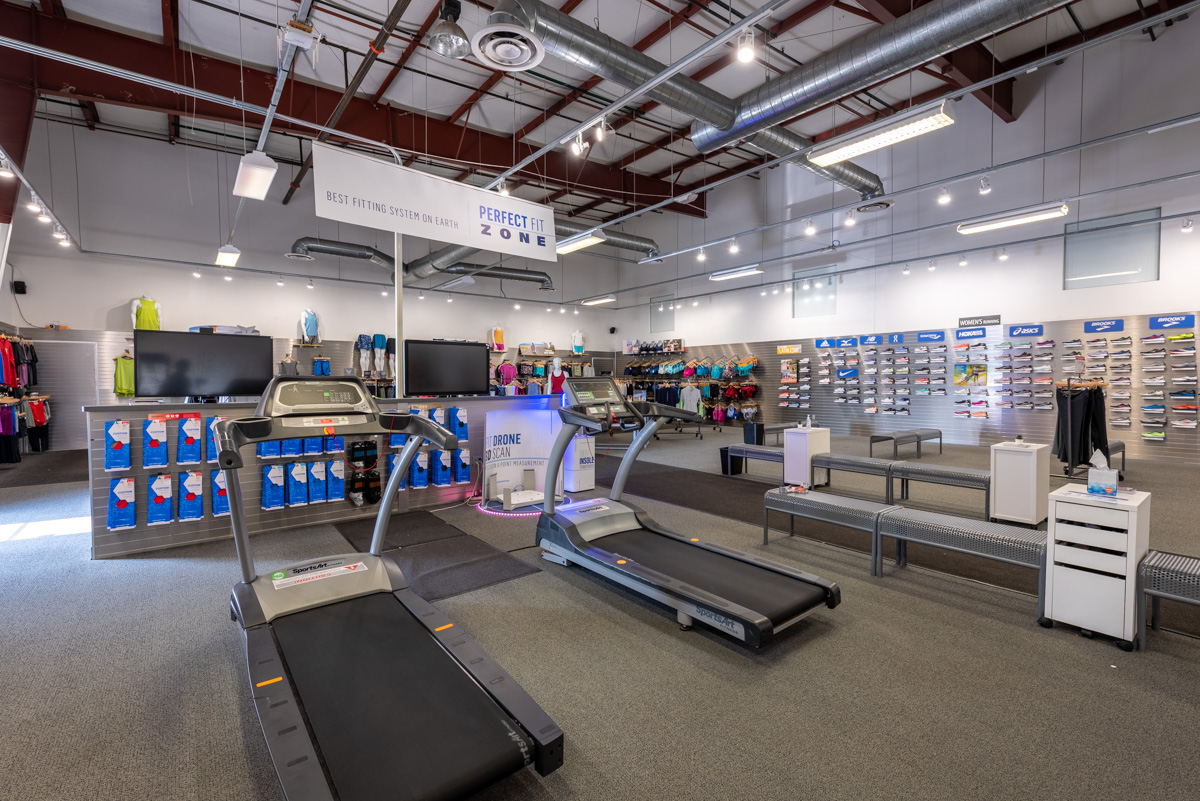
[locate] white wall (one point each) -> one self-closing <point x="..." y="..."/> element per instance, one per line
<point x="124" y="196"/>
<point x="1109" y="89"/>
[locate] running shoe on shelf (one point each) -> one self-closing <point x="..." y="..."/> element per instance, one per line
<point x="1097" y="354"/>
<point x="962" y="346"/>
<point x="938" y="360"/>
<point x="1157" y="353"/>
<point x="1023" y="357"/>
<point x="921" y="380"/>
<point x="962" y="412"/>
<point x="868" y="400"/>
<point x="1097" y="368"/>
<point x="1044" y="406"/>
<point x="1185" y="423"/>
<point x="1186" y="394"/>
<point x="1045" y="368"/>
<point x="887" y="411"/>
<point x="1188" y="351"/>
<point x="1020" y="345"/>
<point x="1004" y="405"/>
<point x="1156" y="436"/>
<point x="1153" y="408"/>
<point x="1073" y="343"/>
<point x="1026" y="370"/>
<point x="921" y="349"/>
<point x="1121" y="381"/>
<point x="1184" y="380"/>
<point x="979" y="391"/>
<point x="1096" y="343"/>
<point x="839" y="400"/>
<point x="1122" y="368"/>
<point x="1043" y="393"/>
<point x="1001" y="380"/>
<point x="1119" y="421"/>
<point x="1153" y="339"/>
<point x="1048" y="343"/>
<point x="979" y="346"/>
<point x="1184" y="408"/>
<point x="1004" y="392"/>
<point x="1070" y="356"/>
<point x="1024" y="405"/>
<point x="851" y="400"/>
<point x="1184" y="367"/>
<point x="1156" y="395"/>
<point x="902" y="411"/>
<point x="1004" y="346"/>
<point x="1044" y="357"/>
<point x="903" y="401"/>
<point x="979" y="415"/>
<point x="901" y="349"/>
<point x="922" y="390"/>
<point x="1121" y="354"/>
<point x="963" y="402"/>
<point x="938" y="371"/>
<point x="1187" y="336"/>
<point x="870" y="352"/>
<point x="1155" y="367"/>
<point x="902" y="360"/>
<point x="938" y="349"/>
<point x="871" y="410"/>
<point x="938" y="392"/>
<point x="1153" y="422"/>
<point x="1122" y="407"/>
<point x="1023" y="393"/>
<point x="1120" y="393"/>
<point x="1122" y="342"/>
<point x="1047" y="379"/>
<point x="1157" y="381"/>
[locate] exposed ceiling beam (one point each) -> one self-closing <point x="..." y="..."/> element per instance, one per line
<point x="405" y="130"/>
<point x="18" y="98"/>
<point x="966" y="66"/>
<point x="170" y="37"/>
<point x="54" y="8"/>
<point x="412" y="47"/>
<point x="91" y="115"/>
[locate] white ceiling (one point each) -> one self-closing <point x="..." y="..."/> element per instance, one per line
<point x="438" y="87"/>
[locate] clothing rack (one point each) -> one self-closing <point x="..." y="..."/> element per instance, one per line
<point x="1070" y="384"/>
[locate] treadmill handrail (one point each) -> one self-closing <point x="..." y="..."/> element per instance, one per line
<point x="666" y="413"/>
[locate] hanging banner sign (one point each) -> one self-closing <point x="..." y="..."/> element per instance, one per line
<point x="1100" y="326"/>
<point x="1025" y="330"/>
<point x="895" y="339"/>
<point x="361" y="190"/>
<point x="785" y="349"/>
<point x="931" y="336"/>
<point x="986" y="319"/>
<point x="1174" y="321"/>
<point x="970" y="333"/>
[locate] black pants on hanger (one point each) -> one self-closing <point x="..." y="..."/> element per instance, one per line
<point x="39" y="439"/>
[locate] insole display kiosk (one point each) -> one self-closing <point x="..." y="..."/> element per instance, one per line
<point x="363" y="689"/>
<point x="745" y="596"/>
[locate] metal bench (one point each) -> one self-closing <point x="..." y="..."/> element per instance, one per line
<point x="945" y="475"/>
<point x="778" y="428"/>
<point x="848" y="512"/>
<point x="762" y="452"/>
<point x="1115" y="447"/>
<point x="1010" y="544"/>
<point x="851" y="464"/>
<point x="913" y="436"/>
<point x="1164" y="575"/>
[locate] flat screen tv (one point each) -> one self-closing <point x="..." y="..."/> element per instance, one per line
<point x="178" y="363"/>
<point x="445" y="368"/>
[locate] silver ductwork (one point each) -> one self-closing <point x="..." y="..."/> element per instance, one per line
<point x="503" y="274"/>
<point x="931" y="31"/>
<point x="575" y="42"/>
<point x="617" y="239"/>
<point x="438" y="261"/>
<point x="305" y="246"/>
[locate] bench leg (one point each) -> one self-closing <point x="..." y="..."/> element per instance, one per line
<point x="901" y="553"/>
<point x="766" y="513"/>
<point x="939" y="444"/>
<point x="875" y="549"/>
<point x="918" y="449"/>
<point x="791" y="525"/>
<point x="1042" y="588"/>
<point x="1155" y="612"/>
<point x="1140" y="619"/>
<point x="987" y="504"/>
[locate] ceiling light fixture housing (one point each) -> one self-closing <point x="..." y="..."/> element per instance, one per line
<point x="1188" y="226"/>
<point x="850" y="220"/>
<point x="6" y="171"/>
<point x="1046" y="211"/>
<point x="745" y="47"/>
<point x="810" y="228"/>
<point x="884" y="133"/>
<point x="733" y="246"/>
<point x="735" y="272"/>
<point x="598" y="301"/>
<point x="227" y="256"/>
<point x="447" y="38"/>
<point x="585" y="239"/>
<point x="255" y="173"/>
<point x="985" y="185"/>
<point x="944" y="196"/>
<point x="508" y="48"/>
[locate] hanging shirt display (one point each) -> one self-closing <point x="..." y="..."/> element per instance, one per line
<point x="123" y="377"/>
<point x="310" y="327"/>
<point x="496" y="338"/>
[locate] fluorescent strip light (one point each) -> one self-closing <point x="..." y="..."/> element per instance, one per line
<point x="579" y="242"/>
<point x="884" y="134"/>
<point x="1036" y="214"/>
<point x="255" y="173"/>
<point x="1103" y="275"/>
<point x="598" y="301"/>
<point x="735" y="272"/>
<point x="227" y="256"/>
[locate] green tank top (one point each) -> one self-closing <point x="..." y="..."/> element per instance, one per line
<point x="123" y="377"/>
<point x="147" y="317"/>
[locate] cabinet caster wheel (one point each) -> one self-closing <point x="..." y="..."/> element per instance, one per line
<point x="1085" y="633"/>
<point x="1045" y="622"/>
<point x="1125" y="646"/>
<point x="684" y="628"/>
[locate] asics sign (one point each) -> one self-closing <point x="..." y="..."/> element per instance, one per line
<point x="1025" y="330"/>
<point x="1100" y="326"/>
<point x="1174" y="321"/>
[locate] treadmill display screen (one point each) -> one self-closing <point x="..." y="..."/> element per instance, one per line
<point x="319" y="394"/>
<point x="599" y="390"/>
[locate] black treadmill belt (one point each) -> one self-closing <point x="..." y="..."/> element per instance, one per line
<point x="780" y="598"/>
<point x="394" y="715"/>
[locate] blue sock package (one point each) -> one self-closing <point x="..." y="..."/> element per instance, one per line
<point x="456" y="421"/>
<point x="291" y="447"/>
<point x="316" y="482"/>
<point x="439" y="468"/>
<point x="122" y="511"/>
<point x="418" y="473"/>
<point x="116" y="445"/>
<point x="335" y="444"/>
<point x="154" y="443"/>
<point x="210" y="441"/>
<point x="191" y="495"/>
<point x="220" y="495"/>
<point x="297" y="484"/>
<point x="438" y="415"/>
<point x="461" y="466"/>
<point x="160" y="506"/>
<point x="272" y="486"/>
<point x="393" y="463"/>
<point x="314" y="446"/>
<point x="397" y="440"/>
<point x="187" y="445"/>
<point x="268" y="450"/>
<point x="335" y="480"/>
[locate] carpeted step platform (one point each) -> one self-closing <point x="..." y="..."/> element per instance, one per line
<point x="404" y="531"/>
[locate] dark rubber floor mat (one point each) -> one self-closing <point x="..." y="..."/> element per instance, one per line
<point x="404" y="531"/>
<point x="51" y="467"/>
<point x="453" y="566"/>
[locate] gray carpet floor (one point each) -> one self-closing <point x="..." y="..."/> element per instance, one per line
<point x="125" y="679"/>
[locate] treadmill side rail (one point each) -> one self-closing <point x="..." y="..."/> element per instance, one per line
<point x="292" y="750"/>
<point x="487" y="673"/>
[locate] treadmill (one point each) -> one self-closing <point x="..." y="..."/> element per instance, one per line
<point x="363" y="689"/>
<point x="747" y="597"/>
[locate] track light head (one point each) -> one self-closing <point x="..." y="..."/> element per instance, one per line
<point x="810" y="228"/>
<point x="985" y="185"/>
<point x="944" y="196"/>
<point x="850" y="220"/>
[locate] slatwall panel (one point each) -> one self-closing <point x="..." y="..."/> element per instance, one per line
<point x="107" y="543"/>
<point x="67" y="373"/>
<point x="6" y="328"/>
<point x="1180" y="445"/>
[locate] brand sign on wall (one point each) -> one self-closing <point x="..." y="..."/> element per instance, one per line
<point x="970" y="333"/>
<point x="931" y="336"/>
<point x="848" y="373"/>
<point x="874" y="339"/>
<point x="828" y="342"/>
<point x="895" y="339"/>
<point x="1100" y="326"/>
<point x="1173" y="321"/>
<point x="847" y="342"/>
<point x="784" y="349"/>
<point x="361" y="190"/>
<point x="986" y="319"/>
<point x="1025" y="330"/>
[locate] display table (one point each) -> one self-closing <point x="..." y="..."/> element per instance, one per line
<point x="799" y="446"/>
<point x="1094" y="546"/>
<point x="1020" y="482"/>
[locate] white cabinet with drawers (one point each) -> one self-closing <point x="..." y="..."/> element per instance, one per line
<point x="1093" y="548"/>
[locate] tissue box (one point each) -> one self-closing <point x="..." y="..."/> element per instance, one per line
<point x="335" y="480"/>
<point x="272" y="486"/>
<point x="297" y="484"/>
<point x="154" y="443"/>
<point x="1102" y="481"/>
<point x="316" y="482"/>
<point x="191" y="495"/>
<point x="160" y="508"/>
<point x="220" y="495"/>
<point x="116" y="445"/>
<point x="187" y="446"/>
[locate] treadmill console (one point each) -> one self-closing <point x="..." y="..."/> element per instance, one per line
<point x="316" y="402"/>
<point x="598" y="398"/>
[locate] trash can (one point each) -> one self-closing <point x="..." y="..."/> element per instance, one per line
<point x="730" y="465"/>
<point x="754" y="433"/>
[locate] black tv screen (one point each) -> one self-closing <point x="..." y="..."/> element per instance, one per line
<point x="178" y="363"/>
<point x="445" y="368"/>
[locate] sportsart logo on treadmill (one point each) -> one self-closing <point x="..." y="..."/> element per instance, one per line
<point x="299" y="571"/>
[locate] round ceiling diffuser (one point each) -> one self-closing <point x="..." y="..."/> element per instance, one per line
<point x="509" y="48"/>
